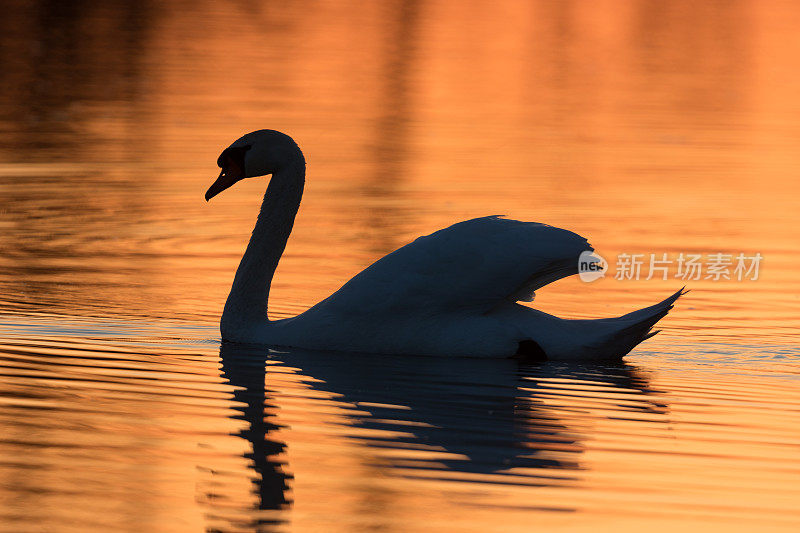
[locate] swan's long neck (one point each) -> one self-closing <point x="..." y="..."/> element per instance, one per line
<point x="247" y="301"/>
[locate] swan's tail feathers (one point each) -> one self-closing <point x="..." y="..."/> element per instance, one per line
<point x="651" y="334"/>
<point x="661" y="307"/>
<point x="635" y="327"/>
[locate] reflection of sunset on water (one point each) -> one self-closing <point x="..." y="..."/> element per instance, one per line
<point x="650" y="128"/>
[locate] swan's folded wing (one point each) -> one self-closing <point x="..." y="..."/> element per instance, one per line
<point x="472" y="265"/>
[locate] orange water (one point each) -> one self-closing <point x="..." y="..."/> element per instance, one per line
<point x="648" y="127"/>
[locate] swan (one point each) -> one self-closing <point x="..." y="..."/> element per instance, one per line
<point x="453" y="292"/>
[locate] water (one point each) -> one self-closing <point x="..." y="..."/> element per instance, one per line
<point x="648" y="127"/>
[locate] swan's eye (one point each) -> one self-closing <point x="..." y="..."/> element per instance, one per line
<point x="231" y="161"/>
<point x="232" y="167"/>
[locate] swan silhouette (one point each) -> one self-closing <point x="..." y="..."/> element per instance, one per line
<point x="453" y="292"/>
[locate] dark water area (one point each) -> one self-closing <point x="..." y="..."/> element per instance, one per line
<point x="648" y="127"/>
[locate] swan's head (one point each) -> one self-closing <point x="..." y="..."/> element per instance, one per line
<point x="258" y="153"/>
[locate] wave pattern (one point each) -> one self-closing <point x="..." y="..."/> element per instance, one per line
<point x="105" y="430"/>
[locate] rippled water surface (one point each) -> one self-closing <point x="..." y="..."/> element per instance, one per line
<point x="648" y="127"/>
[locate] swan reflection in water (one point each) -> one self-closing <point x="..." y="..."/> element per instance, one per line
<point x="496" y="418"/>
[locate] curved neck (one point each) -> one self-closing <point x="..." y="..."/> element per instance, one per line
<point x="247" y="301"/>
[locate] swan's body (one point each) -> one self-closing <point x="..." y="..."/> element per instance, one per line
<point x="453" y="292"/>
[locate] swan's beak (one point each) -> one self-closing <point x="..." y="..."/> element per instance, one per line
<point x="223" y="182"/>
